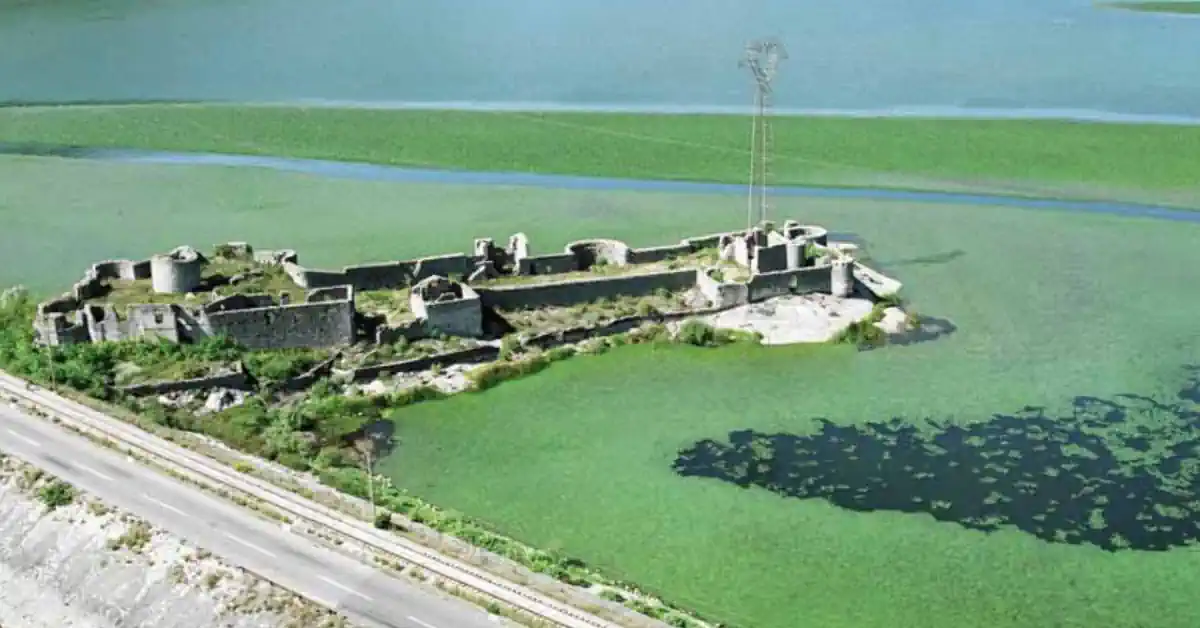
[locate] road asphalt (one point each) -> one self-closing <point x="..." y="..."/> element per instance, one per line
<point x="366" y="596"/>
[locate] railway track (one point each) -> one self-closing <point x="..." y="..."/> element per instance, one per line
<point x="209" y="472"/>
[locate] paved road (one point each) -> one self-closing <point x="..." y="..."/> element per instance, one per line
<point x="366" y="596"/>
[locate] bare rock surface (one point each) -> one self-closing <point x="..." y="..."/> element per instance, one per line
<point x="794" y="319"/>
<point x="222" y="399"/>
<point x="895" y="321"/>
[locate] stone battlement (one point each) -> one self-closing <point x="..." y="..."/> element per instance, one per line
<point x="449" y="294"/>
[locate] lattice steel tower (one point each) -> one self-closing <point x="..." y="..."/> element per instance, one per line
<point x="762" y="58"/>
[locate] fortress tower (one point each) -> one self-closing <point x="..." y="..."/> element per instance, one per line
<point x="176" y="272"/>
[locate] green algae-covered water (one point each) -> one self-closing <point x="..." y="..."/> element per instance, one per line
<point x="1047" y="308"/>
<point x="627" y="460"/>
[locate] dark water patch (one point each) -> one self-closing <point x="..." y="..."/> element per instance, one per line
<point x="1117" y="473"/>
<point x="377" y="172"/>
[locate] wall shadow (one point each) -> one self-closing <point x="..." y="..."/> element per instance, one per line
<point x="1116" y="473"/>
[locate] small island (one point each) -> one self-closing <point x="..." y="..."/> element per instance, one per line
<point x="437" y="321"/>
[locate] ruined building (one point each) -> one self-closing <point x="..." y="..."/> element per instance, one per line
<point x="449" y="293"/>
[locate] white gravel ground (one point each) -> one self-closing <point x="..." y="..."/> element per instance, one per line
<point x="803" y="318"/>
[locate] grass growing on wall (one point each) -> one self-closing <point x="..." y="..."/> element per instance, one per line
<point x="694" y="147"/>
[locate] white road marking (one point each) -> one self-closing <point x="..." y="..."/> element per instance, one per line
<point x="420" y="623"/>
<point x="165" y="505"/>
<point x="94" y="472"/>
<point x="250" y="545"/>
<point x="25" y="438"/>
<point x="345" y="588"/>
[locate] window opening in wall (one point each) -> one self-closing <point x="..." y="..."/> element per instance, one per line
<point x="158" y="317"/>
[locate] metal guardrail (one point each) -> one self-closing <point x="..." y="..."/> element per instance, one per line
<point x="182" y="460"/>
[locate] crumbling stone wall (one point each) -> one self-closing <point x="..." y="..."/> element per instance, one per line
<point x="383" y="275"/>
<point x="153" y="321"/>
<point x="813" y="233"/>
<point x="551" y="264"/>
<point x="328" y="317"/>
<point x="564" y="293"/>
<point x="239" y="302"/>
<point x="453" y="265"/>
<point x="102" y="323"/>
<point x="378" y="276"/>
<point x="872" y="283"/>
<point x="769" y="259"/>
<point x="589" y="253"/>
<point x="56" y="328"/>
<point x="447" y="306"/>
<point x="323" y="324"/>
<point x="653" y="254"/>
<point x="236" y="379"/>
<point x="800" y="281"/>
<point x="411" y="330"/>
<point x="721" y="293"/>
<point x="310" y="278"/>
<point x="472" y="355"/>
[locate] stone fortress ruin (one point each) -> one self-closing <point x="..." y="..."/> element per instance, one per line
<point x="185" y="296"/>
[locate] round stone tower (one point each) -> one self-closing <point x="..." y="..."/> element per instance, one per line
<point x="177" y="271"/>
<point x="842" y="279"/>
<point x="796" y="253"/>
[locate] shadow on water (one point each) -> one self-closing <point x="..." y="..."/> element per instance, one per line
<point x="928" y="260"/>
<point x="1116" y="473"/>
<point x="928" y="328"/>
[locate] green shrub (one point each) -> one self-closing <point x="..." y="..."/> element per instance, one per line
<point x="415" y="394"/>
<point x="696" y="333"/>
<point x="56" y="494"/>
<point x="701" y="334"/>
<point x="891" y="300"/>
<point x="293" y="460"/>
<point x="322" y="389"/>
<point x="331" y="458"/>
<point x="645" y="308"/>
<point x="509" y="345"/>
<point x="280" y="365"/>
<point x="862" y="334"/>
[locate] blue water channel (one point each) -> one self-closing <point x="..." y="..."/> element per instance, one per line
<point x="398" y="174"/>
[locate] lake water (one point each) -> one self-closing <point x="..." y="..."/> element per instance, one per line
<point x="871" y="54"/>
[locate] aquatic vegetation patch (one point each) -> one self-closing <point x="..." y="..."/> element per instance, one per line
<point x="1119" y="473"/>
